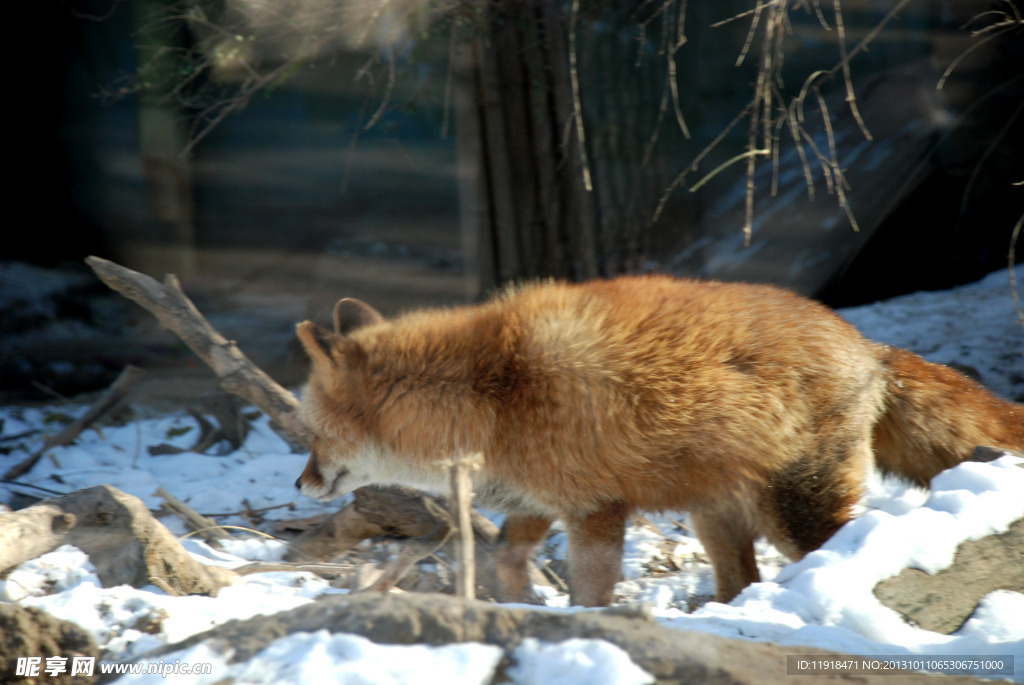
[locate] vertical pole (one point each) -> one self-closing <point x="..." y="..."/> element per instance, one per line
<point x="462" y="494"/>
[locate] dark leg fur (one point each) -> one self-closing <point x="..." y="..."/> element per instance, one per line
<point x="519" y="536"/>
<point x="728" y="539"/>
<point x="595" y="553"/>
<point x="812" y="500"/>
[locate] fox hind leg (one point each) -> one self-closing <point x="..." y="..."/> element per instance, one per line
<point x="520" y="534"/>
<point x="728" y="538"/>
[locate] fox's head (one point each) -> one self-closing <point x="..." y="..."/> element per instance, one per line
<point x="335" y="406"/>
<point x="390" y="402"/>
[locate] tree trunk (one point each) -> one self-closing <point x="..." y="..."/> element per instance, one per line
<point x="567" y="137"/>
<point x="163" y="134"/>
<point x="522" y="177"/>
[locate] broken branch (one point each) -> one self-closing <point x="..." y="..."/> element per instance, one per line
<point x="114" y="394"/>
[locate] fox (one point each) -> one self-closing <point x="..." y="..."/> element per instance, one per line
<point x="756" y="410"/>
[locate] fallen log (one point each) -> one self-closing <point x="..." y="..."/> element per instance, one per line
<point x="125" y="543"/>
<point x="28" y="631"/>
<point x="670" y="655"/>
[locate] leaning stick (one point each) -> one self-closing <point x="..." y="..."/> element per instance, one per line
<point x="235" y="372"/>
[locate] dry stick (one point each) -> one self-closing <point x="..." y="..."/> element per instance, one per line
<point x="412" y="552"/>
<point x="205" y="527"/>
<point x="671" y="90"/>
<point x="237" y="375"/>
<point x="462" y="493"/>
<point x="114" y="394"/>
<point x="249" y="512"/>
<point x="762" y="97"/>
<point x="292" y="567"/>
<point x="851" y="99"/>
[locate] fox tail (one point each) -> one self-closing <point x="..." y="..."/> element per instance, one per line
<point x="934" y="417"/>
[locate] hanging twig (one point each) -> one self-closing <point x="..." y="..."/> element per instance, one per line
<point x="577" y="102"/>
<point x="851" y="99"/>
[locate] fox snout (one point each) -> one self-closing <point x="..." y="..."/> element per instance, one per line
<point x="311" y="476"/>
<point x="314" y="482"/>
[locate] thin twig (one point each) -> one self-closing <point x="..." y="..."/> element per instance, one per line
<point x="758" y="8"/>
<point x="577" y="102"/>
<point x="386" y="98"/>
<point x="681" y="177"/>
<point x="292" y="567"/>
<point x="725" y="165"/>
<point x="851" y="99"/>
<point x="677" y="44"/>
<point x="252" y="511"/>
<point x="107" y="401"/>
<point x="963" y="55"/>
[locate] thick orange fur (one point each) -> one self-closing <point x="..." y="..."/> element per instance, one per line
<point x="758" y="411"/>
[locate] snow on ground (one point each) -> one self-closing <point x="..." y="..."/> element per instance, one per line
<point x="975" y="326"/>
<point x="824" y="601"/>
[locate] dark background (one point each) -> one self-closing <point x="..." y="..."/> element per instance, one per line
<point x="294" y="201"/>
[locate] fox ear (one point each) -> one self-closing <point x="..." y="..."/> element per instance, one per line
<point x="351" y="314"/>
<point x="317" y="341"/>
<point x="325" y="347"/>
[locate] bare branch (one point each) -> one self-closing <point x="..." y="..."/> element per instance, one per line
<point x="205" y="527"/>
<point x="114" y="394"/>
<point x="963" y="55"/>
<point x="175" y="311"/>
<point x="725" y="165"/>
<point x="681" y="177"/>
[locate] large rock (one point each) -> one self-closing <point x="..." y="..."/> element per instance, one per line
<point x="31" y="632"/>
<point x="942" y="602"/>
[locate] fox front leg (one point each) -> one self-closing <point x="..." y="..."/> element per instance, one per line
<point x="595" y="553"/>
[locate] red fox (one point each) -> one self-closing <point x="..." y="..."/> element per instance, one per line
<point x="756" y="410"/>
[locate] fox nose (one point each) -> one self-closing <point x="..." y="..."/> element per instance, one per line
<point x="298" y="483"/>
